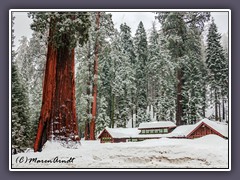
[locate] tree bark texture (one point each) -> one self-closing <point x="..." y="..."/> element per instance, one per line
<point x="94" y="103"/>
<point x="58" y="119"/>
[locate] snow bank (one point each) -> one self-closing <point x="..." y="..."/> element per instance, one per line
<point x="52" y="146"/>
<point x="211" y="138"/>
<point x="207" y="152"/>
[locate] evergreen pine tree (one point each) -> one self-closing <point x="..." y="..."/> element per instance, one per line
<point x="20" y="124"/>
<point x="37" y="54"/>
<point x="58" y="111"/>
<point x="194" y="78"/>
<point x="165" y="79"/>
<point x="20" y="113"/>
<point x="103" y="119"/>
<point x="217" y="67"/>
<point x="85" y="61"/>
<point x="141" y="51"/>
<point x="175" y="27"/>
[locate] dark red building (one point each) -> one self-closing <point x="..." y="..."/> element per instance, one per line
<point x="167" y="129"/>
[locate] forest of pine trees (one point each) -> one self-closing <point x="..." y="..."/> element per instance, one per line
<point x="115" y="75"/>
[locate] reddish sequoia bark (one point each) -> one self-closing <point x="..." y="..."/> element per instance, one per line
<point x="94" y="103"/>
<point x="48" y="92"/>
<point x="86" y="132"/>
<point x="64" y="120"/>
<point x="58" y="113"/>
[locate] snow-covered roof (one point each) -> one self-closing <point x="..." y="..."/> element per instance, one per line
<point x="156" y="124"/>
<point x="122" y="132"/>
<point x="185" y="130"/>
<point x="130" y="133"/>
<point x="220" y="127"/>
<point x="180" y="131"/>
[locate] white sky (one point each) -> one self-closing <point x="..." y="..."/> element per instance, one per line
<point x="132" y="19"/>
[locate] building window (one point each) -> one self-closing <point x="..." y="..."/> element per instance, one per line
<point x="143" y="131"/>
<point x="157" y="131"/>
<point x="106" y="139"/>
<point x="165" y="130"/>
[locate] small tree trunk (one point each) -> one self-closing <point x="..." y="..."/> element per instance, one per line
<point x="219" y="111"/>
<point x="216" y="108"/>
<point x="179" y="109"/>
<point x="86" y="132"/>
<point x="204" y="101"/>
<point x="223" y="110"/>
<point x="112" y="111"/>
<point x="132" y="112"/>
<point x="94" y="104"/>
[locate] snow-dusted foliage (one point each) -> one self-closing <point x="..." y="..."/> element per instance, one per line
<point x="84" y="68"/>
<point x="20" y="112"/>
<point x="182" y="31"/>
<point x="103" y="119"/>
<point x="20" y="106"/>
<point x="73" y="24"/>
<point x="38" y="52"/>
<point x="141" y="51"/>
<point x="170" y="70"/>
<point x="217" y="63"/>
<point x="30" y="60"/>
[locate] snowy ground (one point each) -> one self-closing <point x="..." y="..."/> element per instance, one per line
<point x="207" y="152"/>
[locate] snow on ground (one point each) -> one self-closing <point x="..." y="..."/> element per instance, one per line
<point x="210" y="151"/>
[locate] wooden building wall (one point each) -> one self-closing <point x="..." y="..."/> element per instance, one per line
<point x="202" y="131"/>
<point x="105" y="134"/>
<point x="119" y="140"/>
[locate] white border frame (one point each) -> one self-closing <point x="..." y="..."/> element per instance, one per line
<point x="120" y="10"/>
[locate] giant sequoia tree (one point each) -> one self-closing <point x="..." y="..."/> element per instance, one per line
<point x="175" y="26"/>
<point x="58" y="113"/>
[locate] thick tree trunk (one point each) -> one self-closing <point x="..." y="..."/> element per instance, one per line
<point x="86" y="132"/>
<point x="179" y="109"/>
<point x="94" y="103"/>
<point x="64" y="103"/>
<point x="48" y="93"/>
<point x="58" y="119"/>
